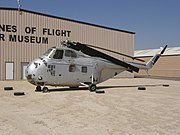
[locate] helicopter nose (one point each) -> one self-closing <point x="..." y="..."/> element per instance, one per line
<point x="31" y="70"/>
<point x="28" y="72"/>
<point x="33" y="73"/>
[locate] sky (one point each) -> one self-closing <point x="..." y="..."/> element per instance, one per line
<point x="155" y="22"/>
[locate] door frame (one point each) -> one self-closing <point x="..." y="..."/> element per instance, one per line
<point x="12" y="71"/>
<point x="22" y="64"/>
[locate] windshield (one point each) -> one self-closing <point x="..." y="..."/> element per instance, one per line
<point x="58" y="54"/>
<point x="48" y="52"/>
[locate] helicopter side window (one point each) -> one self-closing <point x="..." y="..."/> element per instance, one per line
<point x="84" y="69"/>
<point x="69" y="53"/>
<point x="58" y="54"/>
<point x="72" y="68"/>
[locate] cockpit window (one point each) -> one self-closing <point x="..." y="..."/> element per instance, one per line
<point x="58" y="54"/>
<point x="48" y="52"/>
<point x="69" y="53"/>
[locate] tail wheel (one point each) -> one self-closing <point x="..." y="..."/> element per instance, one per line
<point x="92" y="87"/>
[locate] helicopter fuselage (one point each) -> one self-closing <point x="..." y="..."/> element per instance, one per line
<point x="66" y="67"/>
<point x="74" y="64"/>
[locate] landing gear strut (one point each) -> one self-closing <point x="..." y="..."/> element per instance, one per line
<point x="92" y="86"/>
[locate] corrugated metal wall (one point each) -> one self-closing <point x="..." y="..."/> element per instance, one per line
<point x="166" y="66"/>
<point x="34" y="25"/>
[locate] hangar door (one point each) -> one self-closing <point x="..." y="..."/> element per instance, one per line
<point x="9" y="70"/>
<point x="23" y="68"/>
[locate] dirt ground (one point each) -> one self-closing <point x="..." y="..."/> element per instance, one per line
<point x="121" y="110"/>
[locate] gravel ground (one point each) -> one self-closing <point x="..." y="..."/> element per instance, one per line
<point x="121" y="110"/>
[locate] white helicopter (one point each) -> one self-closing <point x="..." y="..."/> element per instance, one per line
<point x="75" y="64"/>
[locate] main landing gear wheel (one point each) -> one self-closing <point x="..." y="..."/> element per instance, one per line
<point x="45" y="90"/>
<point x="38" y="88"/>
<point x="92" y="87"/>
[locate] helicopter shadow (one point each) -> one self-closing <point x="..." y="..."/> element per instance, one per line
<point x="100" y="88"/>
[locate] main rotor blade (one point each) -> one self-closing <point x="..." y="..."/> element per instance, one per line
<point x="94" y="53"/>
<point x="116" y="52"/>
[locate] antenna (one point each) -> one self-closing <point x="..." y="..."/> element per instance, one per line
<point x="19" y="6"/>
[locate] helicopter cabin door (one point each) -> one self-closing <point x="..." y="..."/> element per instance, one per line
<point x="67" y="69"/>
<point x="79" y="70"/>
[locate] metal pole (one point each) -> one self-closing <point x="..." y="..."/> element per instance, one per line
<point x="19" y="6"/>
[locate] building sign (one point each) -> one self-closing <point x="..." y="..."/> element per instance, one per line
<point x="30" y="34"/>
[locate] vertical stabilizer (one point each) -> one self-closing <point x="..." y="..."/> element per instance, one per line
<point x="155" y="58"/>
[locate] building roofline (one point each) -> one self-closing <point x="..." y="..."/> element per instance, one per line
<point x="173" y="55"/>
<point x="43" y="14"/>
<point x="173" y="51"/>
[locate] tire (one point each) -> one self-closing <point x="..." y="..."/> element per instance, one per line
<point x="45" y="90"/>
<point x="8" y="88"/>
<point x="141" y="88"/>
<point x="100" y="91"/>
<point x="38" y="88"/>
<point x="19" y="93"/>
<point x="92" y="87"/>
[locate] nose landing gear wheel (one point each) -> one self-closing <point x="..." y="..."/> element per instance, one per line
<point x="38" y="88"/>
<point x="45" y="90"/>
<point x="92" y="87"/>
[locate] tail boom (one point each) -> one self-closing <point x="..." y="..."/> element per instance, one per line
<point x="151" y="62"/>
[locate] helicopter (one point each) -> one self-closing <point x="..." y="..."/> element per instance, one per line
<point x="75" y="64"/>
